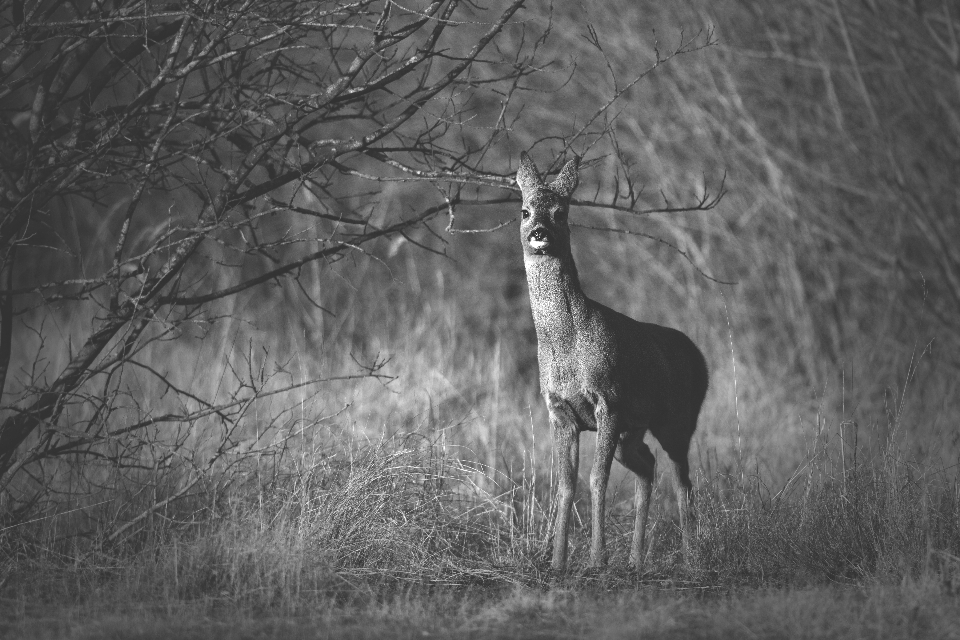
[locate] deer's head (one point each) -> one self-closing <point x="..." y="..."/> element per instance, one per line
<point x="543" y="219"/>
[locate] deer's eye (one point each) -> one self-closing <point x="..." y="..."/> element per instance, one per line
<point x="525" y="214"/>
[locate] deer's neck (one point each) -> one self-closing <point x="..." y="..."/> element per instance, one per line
<point x="558" y="303"/>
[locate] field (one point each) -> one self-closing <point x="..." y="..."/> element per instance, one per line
<point x="356" y="445"/>
<point x="393" y="544"/>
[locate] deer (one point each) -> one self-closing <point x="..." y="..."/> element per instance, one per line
<point x="603" y="371"/>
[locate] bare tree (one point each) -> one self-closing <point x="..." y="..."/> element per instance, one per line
<point x="160" y="157"/>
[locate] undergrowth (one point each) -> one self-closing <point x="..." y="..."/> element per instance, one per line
<point x="407" y="514"/>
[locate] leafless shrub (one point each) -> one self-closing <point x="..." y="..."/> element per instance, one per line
<point x="158" y="161"/>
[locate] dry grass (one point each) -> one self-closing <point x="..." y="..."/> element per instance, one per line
<point x="412" y="534"/>
<point x="396" y="538"/>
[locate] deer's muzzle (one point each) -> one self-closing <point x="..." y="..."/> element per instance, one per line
<point x="539" y="240"/>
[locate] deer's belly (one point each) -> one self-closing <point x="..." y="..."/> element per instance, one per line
<point x="577" y="403"/>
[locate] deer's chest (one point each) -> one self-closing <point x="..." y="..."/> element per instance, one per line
<point x="574" y="376"/>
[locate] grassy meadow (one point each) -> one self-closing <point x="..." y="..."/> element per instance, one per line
<point x="418" y="502"/>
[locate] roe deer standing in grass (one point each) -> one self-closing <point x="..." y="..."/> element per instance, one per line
<point x="602" y="371"/>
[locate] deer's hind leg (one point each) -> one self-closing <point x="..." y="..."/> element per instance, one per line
<point x="684" y="488"/>
<point x="636" y="456"/>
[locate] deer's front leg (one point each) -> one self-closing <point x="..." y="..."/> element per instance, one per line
<point x="607" y="437"/>
<point x="566" y="439"/>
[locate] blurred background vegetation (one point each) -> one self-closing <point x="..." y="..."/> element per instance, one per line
<point x="833" y="129"/>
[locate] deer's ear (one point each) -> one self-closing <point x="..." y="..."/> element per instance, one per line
<point x="527" y="176"/>
<point x="567" y="181"/>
